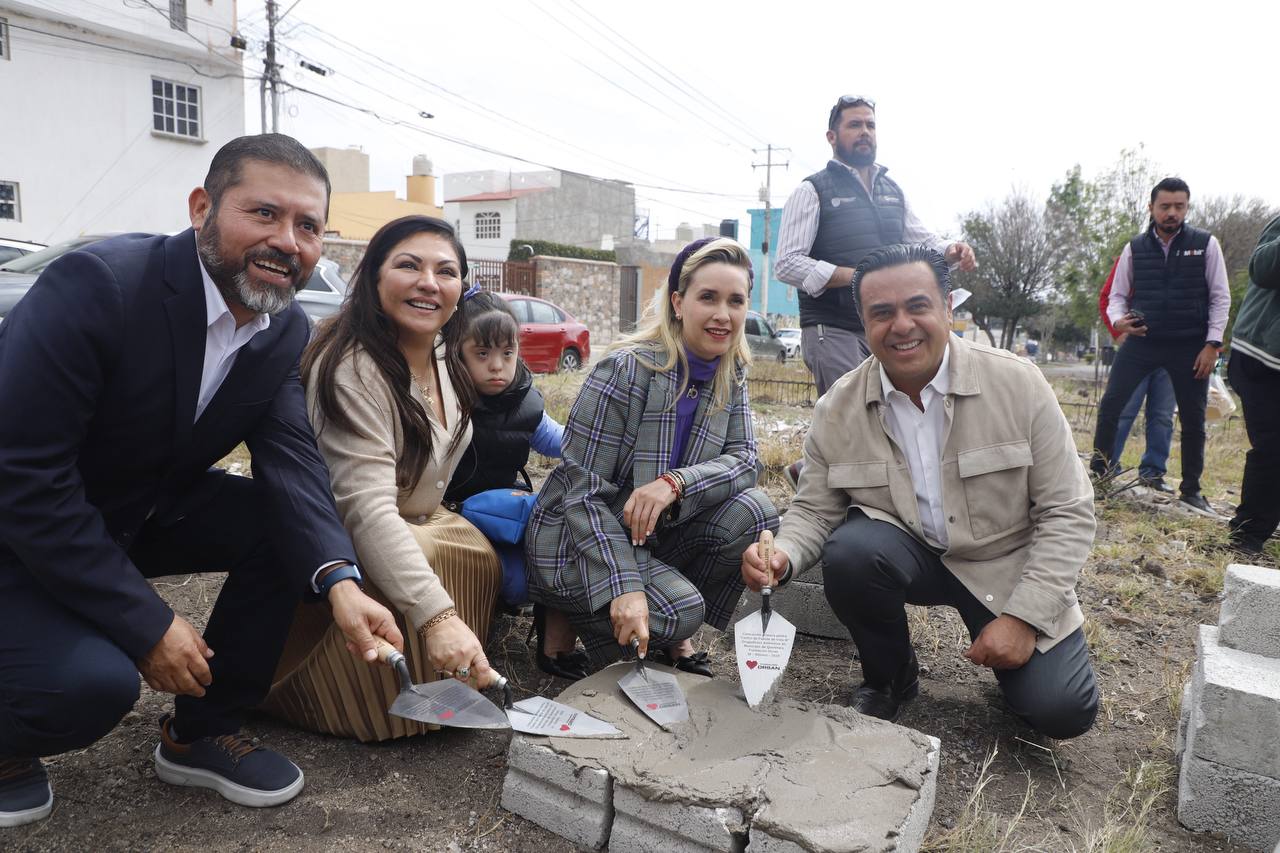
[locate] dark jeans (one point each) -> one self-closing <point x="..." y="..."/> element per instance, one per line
<point x="64" y="684"/>
<point x="872" y="569"/>
<point x="1259" y="388"/>
<point x="1157" y="390"/>
<point x="1137" y="359"/>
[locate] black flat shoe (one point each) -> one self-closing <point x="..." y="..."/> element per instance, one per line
<point x="574" y="665"/>
<point x="696" y="663"/>
<point x="886" y="702"/>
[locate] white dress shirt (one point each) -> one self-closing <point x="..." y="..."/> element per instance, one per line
<point x="920" y="436"/>
<point x="800" y="228"/>
<point x="222" y="340"/>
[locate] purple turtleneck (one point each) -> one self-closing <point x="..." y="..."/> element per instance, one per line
<point x="701" y="371"/>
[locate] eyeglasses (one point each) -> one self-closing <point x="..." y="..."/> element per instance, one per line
<point x="844" y="103"/>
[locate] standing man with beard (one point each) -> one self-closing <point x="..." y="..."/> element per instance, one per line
<point x="1171" y="297"/>
<point x="128" y="370"/>
<point x="833" y="220"/>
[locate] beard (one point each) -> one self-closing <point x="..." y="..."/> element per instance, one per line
<point x="1168" y="228"/>
<point x="856" y="158"/>
<point x="233" y="280"/>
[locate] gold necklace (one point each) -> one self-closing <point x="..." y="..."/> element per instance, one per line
<point x="423" y="388"/>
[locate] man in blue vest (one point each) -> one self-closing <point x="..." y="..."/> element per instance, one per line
<point x="833" y="220"/>
<point x="1170" y="295"/>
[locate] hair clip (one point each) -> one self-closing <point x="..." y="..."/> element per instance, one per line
<point x="471" y="291"/>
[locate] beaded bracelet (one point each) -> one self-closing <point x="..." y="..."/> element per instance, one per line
<point x="447" y="613"/>
<point x="673" y="480"/>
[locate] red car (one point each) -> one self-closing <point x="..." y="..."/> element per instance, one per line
<point x="550" y="338"/>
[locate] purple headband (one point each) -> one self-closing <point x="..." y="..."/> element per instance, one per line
<point x="673" y="277"/>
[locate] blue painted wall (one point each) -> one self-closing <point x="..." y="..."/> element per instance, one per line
<point x="782" y="299"/>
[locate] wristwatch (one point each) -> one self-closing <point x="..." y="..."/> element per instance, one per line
<point x="335" y="574"/>
<point x="1215" y="344"/>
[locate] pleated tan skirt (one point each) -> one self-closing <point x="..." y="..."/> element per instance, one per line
<point x="321" y="686"/>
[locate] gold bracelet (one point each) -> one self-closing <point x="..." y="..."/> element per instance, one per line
<point x="443" y="615"/>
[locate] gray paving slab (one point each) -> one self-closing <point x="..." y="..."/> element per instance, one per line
<point x="641" y="825"/>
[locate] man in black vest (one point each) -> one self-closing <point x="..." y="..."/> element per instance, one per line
<point x="1170" y="294"/>
<point x="833" y="220"/>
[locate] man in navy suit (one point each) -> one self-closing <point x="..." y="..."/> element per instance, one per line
<point x="129" y="369"/>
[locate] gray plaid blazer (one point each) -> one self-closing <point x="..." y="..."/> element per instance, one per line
<point x="620" y="432"/>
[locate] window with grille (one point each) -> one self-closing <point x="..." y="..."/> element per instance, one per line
<point x="178" y="14"/>
<point x="489" y="225"/>
<point x="175" y="108"/>
<point x="4" y="38"/>
<point x="10" y="206"/>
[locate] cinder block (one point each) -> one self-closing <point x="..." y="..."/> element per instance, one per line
<point x="907" y="837"/>
<point x="804" y="602"/>
<point x="572" y="801"/>
<point x="643" y="826"/>
<point x="1184" y="719"/>
<point x="1243" y="806"/>
<point x="1236" y="708"/>
<point x="1250" y="616"/>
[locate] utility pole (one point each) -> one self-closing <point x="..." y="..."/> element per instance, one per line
<point x="271" y="75"/>
<point x="765" y="195"/>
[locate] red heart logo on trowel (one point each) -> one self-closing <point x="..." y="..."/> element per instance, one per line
<point x="445" y="715"/>
<point x="564" y="727"/>
<point x="752" y="664"/>
<point x="652" y="706"/>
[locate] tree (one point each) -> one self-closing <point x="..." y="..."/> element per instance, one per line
<point x="1236" y="222"/>
<point x="1017" y="258"/>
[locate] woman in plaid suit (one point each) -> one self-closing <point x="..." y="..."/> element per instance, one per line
<point x="639" y="532"/>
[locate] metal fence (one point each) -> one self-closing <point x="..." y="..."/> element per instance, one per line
<point x="787" y="392"/>
<point x="505" y="276"/>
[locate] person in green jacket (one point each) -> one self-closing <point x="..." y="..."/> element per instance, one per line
<point x="1254" y="373"/>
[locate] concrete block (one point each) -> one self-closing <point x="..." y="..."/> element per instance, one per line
<point x="1236" y="708"/>
<point x="1243" y="806"/>
<point x="643" y="826"/>
<point x="1250" y="617"/>
<point x="907" y="837"/>
<point x="1184" y="719"/>
<point x="569" y="799"/>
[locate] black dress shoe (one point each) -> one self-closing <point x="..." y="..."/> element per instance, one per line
<point x="886" y="702"/>
<point x="696" y="663"/>
<point x="574" y="665"/>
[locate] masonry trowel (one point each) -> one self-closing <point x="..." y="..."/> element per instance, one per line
<point x="448" y="702"/>
<point x="655" y="692"/>
<point x="763" y="641"/>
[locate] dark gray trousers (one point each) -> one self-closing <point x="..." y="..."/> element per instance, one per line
<point x="830" y="353"/>
<point x="872" y="569"/>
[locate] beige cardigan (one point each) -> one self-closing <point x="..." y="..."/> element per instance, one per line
<point x="1018" y="503"/>
<point x="362" y="471"/>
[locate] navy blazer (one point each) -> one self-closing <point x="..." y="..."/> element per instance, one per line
<point x="100" y="367"/>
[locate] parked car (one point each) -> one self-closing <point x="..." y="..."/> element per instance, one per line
<point x="10" y="249"/>
<point x="790" y="341"/>
<point x="321" y="296"/>
<point x="550" y="338"/>
<point x="763" y="340"/>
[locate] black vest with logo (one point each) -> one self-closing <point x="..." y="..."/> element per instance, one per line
<point x="850" y="226"/>
<point x="1172" y="293"/>
<point x="502" y="427"/>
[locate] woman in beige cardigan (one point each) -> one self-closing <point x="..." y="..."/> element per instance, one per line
<point x="390" y="401"/>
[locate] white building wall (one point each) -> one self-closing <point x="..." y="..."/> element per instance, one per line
<point x="462" y="215"/>
<point x="76" y="117"/>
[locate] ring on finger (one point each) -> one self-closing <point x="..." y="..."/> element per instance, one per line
<point x="464" y="671"/>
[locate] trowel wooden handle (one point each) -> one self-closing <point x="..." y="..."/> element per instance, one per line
<point x="386" y="652"/>
<point x="765" y="548"/>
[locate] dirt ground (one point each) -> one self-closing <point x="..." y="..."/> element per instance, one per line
<point x="1001" y="786"/>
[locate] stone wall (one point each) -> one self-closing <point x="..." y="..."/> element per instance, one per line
<point x="345" y="253"/>
<point x="589" y="290"/>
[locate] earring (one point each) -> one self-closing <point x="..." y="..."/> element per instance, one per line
<point x="678" y="317"/>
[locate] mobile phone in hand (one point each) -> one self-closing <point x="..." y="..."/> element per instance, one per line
<point x="1137" y="319"/>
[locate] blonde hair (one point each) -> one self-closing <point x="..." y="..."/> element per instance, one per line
<point x="661" y="332"/>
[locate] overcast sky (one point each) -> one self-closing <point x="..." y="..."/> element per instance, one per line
<point x="972" y="99"/>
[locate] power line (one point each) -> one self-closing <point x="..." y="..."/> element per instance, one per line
<point x="103" y="46"/>
<point x="682" y="85"/>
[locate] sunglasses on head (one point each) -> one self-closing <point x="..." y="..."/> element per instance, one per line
<point x="844" y="103"/>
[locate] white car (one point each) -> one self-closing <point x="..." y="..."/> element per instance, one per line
<point x="10" y="249"/>
<point x="790" y="339"/>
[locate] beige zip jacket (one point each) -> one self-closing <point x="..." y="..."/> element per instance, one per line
<point x="1017" y="500"/>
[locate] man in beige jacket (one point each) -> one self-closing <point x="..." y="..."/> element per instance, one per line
<point x="944" y="472"/>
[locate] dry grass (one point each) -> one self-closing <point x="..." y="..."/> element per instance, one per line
<point x="1126" y="816"/>
<point x="978" y="829"/>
